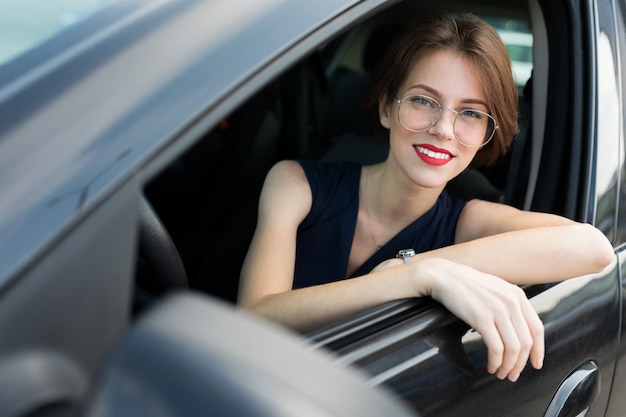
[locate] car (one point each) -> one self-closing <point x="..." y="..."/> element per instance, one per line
<point x="134" y="139"/>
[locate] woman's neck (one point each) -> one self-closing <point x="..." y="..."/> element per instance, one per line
<point x="393" y="199"/>
<point x="388" y="202"/>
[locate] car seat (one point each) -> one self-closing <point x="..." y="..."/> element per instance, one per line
<point x="298" y="100"/>
<point x="348" y="88"/>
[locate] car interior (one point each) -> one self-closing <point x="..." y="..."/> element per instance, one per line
<point x="206" y="200"/>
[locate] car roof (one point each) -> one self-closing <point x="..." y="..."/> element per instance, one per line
<point x="81" y="113"/>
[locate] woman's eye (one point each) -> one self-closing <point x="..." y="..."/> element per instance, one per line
<point x="422" y="102"/>
<point x="471" y="114"/>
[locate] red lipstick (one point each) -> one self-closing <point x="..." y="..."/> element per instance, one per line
<point x="433" y="155"/>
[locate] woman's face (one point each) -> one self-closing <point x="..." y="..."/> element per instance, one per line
<point x="433" y="157"/>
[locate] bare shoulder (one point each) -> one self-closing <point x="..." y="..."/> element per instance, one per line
<point x="286" y="188"/>
<point x="286" y="174"/>
<point x="481" y="218"/>
<point x="287" y="168"/>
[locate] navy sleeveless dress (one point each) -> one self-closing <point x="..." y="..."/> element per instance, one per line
<point x="325" y="236"/>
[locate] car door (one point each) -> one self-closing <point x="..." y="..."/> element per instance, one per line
<point x="438" y="365"/>
<point x="615" y="92"/>
<point x="432" y="359"/>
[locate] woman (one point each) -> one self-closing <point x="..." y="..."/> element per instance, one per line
<point x="447" y="97"/>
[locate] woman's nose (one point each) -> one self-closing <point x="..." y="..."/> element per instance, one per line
<point x="444" y="127"/>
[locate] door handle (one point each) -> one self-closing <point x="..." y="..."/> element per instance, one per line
<point x="576" y="393"/>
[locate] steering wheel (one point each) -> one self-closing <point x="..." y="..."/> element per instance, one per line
<point x="160" y="267"/>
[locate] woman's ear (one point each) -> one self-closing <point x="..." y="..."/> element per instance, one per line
<point x="384" y="112"/>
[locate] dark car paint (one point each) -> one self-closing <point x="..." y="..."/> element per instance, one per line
<point x="83" y="128"/>
<point x="84" y="135"/>
<point x="428" y="357"/>
<point x="80" y="131"/>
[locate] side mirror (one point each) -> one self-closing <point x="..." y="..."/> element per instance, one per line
<point x="195" y="355"/>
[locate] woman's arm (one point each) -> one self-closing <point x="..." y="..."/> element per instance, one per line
<point x="526" y="247"/>
<point x="270" y="262"/>
<point x="499" y="311"/>
<point x="267" y="274"/>
<point x="496" y="309"/>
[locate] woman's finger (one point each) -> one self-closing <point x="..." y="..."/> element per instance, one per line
<point x="536" y="329"/>
<point x="512" y="346"/>
<point x="495" y="346"/>
<point x="523" y="346"/>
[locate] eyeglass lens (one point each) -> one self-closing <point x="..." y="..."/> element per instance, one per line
<point x="472" y="128"/>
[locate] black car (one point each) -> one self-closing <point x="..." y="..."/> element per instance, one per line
<point x="134" y="138"/>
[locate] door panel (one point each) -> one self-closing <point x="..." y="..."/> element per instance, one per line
<point x="431" y="359"/>
<point x="617" y="405"/>
<point x="61" y="315"/>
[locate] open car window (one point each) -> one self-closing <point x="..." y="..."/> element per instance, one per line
<point x="208" y="198"/>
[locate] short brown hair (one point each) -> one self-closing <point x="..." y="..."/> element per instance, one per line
<point x="472" y="38"/>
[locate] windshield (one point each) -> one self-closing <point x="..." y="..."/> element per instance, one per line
<point x="24" y="24"/>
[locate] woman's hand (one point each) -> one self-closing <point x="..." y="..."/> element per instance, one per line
<point x="496" y="309"/>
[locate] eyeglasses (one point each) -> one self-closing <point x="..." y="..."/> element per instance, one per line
<point x="472" y="128"/>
